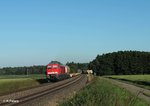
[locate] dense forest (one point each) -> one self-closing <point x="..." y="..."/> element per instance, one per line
<point x="121" y="63"/>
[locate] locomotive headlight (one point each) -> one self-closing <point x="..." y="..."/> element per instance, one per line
<point x="52" y="72"/>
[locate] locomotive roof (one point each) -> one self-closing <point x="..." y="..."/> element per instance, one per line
<point x="55" y="62"/>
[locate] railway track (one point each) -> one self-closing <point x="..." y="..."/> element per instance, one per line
<point x="38" y="92"/>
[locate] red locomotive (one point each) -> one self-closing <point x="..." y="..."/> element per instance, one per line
<point x="56" y="71"/>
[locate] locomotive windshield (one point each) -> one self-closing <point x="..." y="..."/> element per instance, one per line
<point x="55" y="66"/>
<point x="49" y="67"/>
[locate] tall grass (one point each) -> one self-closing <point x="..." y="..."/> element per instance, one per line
<point x="103" y="93"/>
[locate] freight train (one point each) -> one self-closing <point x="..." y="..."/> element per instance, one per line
<point x="56" y="71"/>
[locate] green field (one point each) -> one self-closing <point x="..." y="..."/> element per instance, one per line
<point x="33" y="76"/>
<point x="101" y="92"/>
<point x="14" y="83"/>
<point x="140" y="80"/>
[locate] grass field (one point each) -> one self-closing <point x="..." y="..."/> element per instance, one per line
<point x="141" y="80"/>
<point x="33" y="76"/>
<point x="14" y="83"/>
<point x="101" y="92"/>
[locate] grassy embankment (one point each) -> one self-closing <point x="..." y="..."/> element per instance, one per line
<point x="12" y="83"/>
<point x="101" y="92"/>
<point x="139" y="80"/>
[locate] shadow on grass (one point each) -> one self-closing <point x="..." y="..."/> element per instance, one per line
<point x="42" y="81"/>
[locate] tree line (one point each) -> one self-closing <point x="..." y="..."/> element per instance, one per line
<point x="74" y="67"/>
<point x="116" y="63"/>
<point x="121" y="63"/>
<point x="23" y="70"/>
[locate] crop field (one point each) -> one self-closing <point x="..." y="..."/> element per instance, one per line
<point x="101" y="92"/>
<point x="12" y="83"/>
<point x="140" y="80"/>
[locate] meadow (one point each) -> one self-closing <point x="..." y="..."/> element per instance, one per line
<point x="139" y="80"/>
<point x="13" y="83"/>
<point x="33" y="76"/>
<point x="101" y="92"/>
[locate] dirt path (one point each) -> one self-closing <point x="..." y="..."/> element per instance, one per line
<point x="140" y="92"/>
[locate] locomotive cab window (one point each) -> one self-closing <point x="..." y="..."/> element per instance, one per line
<point x="55" y="66"/>
<point x="49" y="67"/>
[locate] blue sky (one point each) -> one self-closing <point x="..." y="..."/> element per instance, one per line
<point x="34" y="32"/>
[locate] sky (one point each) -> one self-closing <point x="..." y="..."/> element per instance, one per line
<point x="35" y="32"/>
